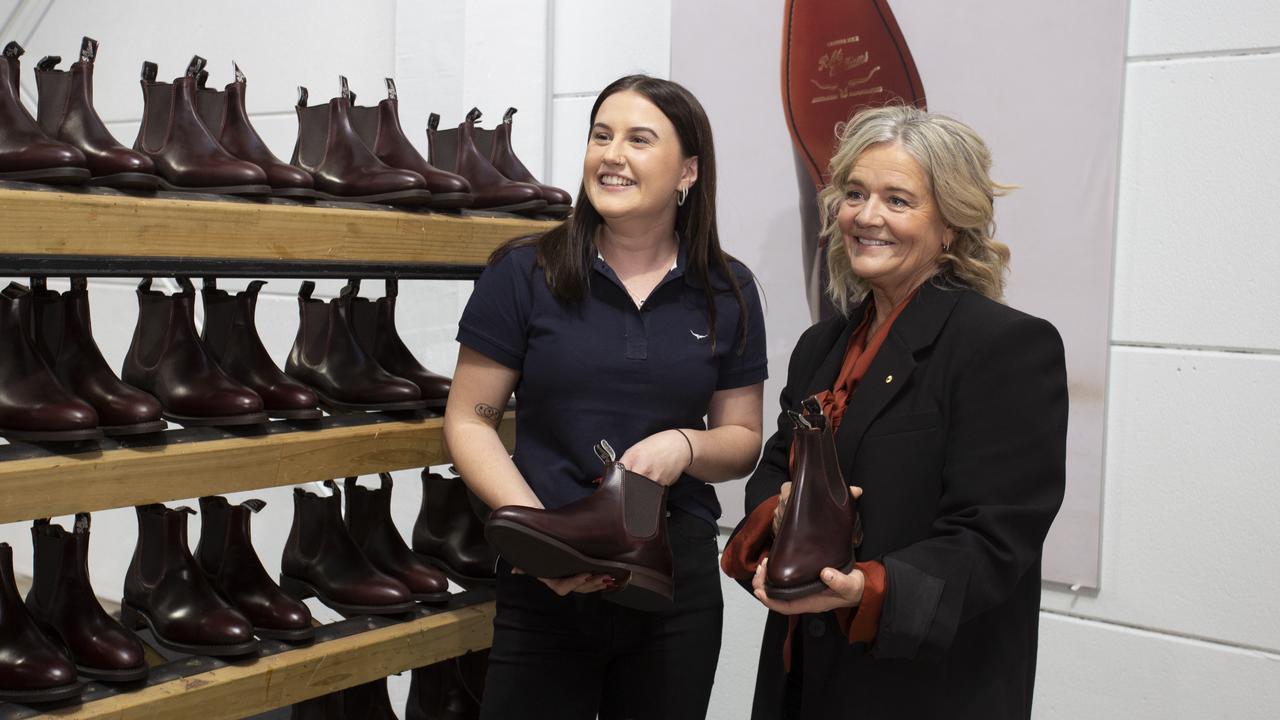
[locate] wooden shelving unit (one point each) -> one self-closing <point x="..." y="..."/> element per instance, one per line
<point x="96" y="233"/>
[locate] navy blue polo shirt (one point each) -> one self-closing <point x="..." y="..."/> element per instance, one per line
<point x="605" y="369"/>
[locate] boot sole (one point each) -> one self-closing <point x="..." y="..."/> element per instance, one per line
<point x="559" y="212"/>
<point x="399" y="197"/>
<point x="126" y="181"/>
<point x="245" y="190"/>
<point x="52" y="435"/>
<point x="216" y="420"/>
<point x="796" y="592"/>
<point x="299" y="414"/>
<point x="361" y="407"/>
<point x="526" y="205"/>
<point x="53" y="694"/>
<point x="451" y="201"/>
<point x="120" y="675"/>
<point x="135" y="618"/>
<point x="142" y="428"/>
<point x="301" y="590"/>
<point x="55" y="176"/>
<point x="296" y="193"/>
<point x="543" y="556"/>
<point x="299" y="635"/>
<point x="465" y="581"/>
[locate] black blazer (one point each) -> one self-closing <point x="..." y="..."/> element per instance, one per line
<point x="957" y="435"/>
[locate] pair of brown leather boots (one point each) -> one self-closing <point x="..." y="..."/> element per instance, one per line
<point x="343" y="357"/>
<point x="360" y="564"/>
<point x="61" y="631"/>
<point x="498" y="178"/>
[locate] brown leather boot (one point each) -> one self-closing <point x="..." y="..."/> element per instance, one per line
<point x="230" y="336"/>
<point x="818" y="524"/>
<point x="223" y="112"/>
<point x="187" y="156"/>
<point x="225" y="554"/>
<point x="167" y="359"/>
<point x="62" y="332"/>
<point x="34" y="405"/>
<point x="26" y="152"/>
<point x="620" y="530"/>
<point x="496" y="145"/>
<point x="343" y="167"/>
<point x="321" y="560"/>
<point x="32" y="667"/>
<point x="375" y="328"/>
<point x="455" y="151"/>
<point x="379" y="128"/>
<point x="63" y="602"/>
<point x="823" y="85"/>
<point x="328" y="358"/>
<point x="450" y="535"/>
<point x="442" y="691"/>
<point x="165" y="590"/>
<point x="369" y="522"/>
<point x="66" y="113"/>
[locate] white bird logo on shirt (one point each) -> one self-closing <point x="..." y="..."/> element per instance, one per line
<point x="696" y="336"/>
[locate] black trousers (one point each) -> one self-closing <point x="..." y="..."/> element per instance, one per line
<point x="576" y="657"/>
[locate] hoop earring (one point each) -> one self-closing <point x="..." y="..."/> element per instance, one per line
<point x="684" y="195"/>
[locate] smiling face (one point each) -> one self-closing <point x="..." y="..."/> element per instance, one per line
<point x="893" y="230"/>
<point x="634" y="164"/>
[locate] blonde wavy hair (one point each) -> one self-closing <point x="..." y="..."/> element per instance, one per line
<point x="958" y="164"/>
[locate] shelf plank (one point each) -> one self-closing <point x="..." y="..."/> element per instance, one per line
<point x="240" y="690"/>
<point x="85" y="482"/>
<point x="38" y="222"/>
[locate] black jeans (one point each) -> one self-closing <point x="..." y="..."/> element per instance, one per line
<point x="571" y="658"/>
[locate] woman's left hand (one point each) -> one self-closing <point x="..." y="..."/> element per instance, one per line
<point x="661" y="457"/>
<point x="843" y="590"/>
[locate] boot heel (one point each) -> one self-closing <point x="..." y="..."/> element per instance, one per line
<point x="130" y="618"/>
<point x="295" y="589"/>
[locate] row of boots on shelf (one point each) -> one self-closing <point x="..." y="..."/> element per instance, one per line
<point x="56" y="386"/>
<point x="197" y="139"/>
<point x="220" y="600"/>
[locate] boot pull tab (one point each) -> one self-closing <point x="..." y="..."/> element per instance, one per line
<point x="351" y="289"/>
<point x="88" y="49"/>
<point x="333" y="488"/>
<point x="255" y="505"/>
<point x="79" y="282"/>
<point x="384" y="480"/>
<point x="144" y="285"/>
<point x="506" y="116"/>
<point x="184" y="509"/>
<point x="202" y="79"/>
<point x="473" y="116"/>
<point x="81" y="525"/>
<point x="13" y="50"/>
<point x="255" y="287"/>
<point x="605" y="452"/>
<point x="149" y="71"/>
<point x="393" y="287"/>
<point x="210" y="283"/>
<point x="800" y="421"/>
<point x="14" y="290"/>
<point x="391" y="89"/>
<point x="237" y="72"/>
<point x="302" y="96"/>
<point x="187" y="288"/>
<point x="305" y="289"/>
<point x="41" y="522"/>
<point x="195" y="66"/>
<point x="433" y="121"/>
<point x="346" y="89"/>
<point x="48" y="62"/>
<point x="39" y="284"/>
<point x="811" y="406"/>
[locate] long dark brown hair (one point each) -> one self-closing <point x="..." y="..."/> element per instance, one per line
<point x="565" y="253"/>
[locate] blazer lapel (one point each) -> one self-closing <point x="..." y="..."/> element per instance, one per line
<point x="914" y="330"/>
<point x="825" y="375"/>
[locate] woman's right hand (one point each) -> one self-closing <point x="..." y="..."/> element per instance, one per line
<point x="580" y="583"/>
<point x="784" y="494"/>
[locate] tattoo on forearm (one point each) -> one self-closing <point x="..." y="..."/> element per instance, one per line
<point x="489" y="412"/>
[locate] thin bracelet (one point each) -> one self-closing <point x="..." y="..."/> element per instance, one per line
<point x="690" y="444"/>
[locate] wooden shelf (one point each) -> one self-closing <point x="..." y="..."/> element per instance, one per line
<point x="243" y="689"/>
<point x="62" y="484"/>
<point x="63" y="230"/>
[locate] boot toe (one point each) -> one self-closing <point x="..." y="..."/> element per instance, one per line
<point x="556" y="196"/>
<point x="121" y="160"/>
<point x="224" y="627"/>
<point x="72" y="415"/>
<point x="280" y="175"/>
<point x="442" y="183"/>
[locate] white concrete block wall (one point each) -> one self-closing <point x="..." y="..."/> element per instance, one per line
<point x="1182" y="626"/>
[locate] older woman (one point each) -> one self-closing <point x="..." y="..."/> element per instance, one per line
<point x="949" y="413"/>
